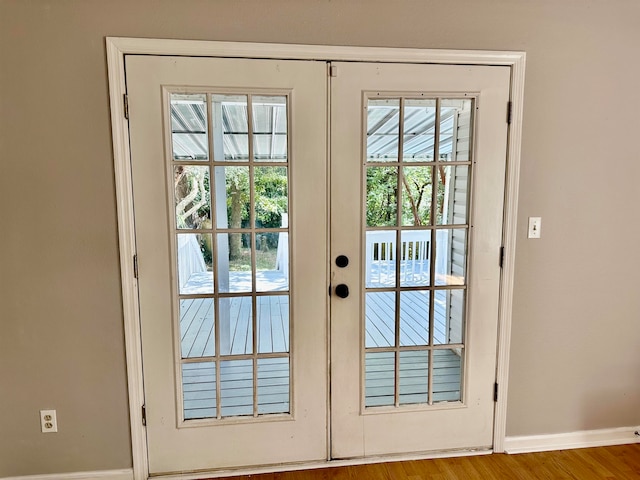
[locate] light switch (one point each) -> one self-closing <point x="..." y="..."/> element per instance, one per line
<point x="535" y="224"/>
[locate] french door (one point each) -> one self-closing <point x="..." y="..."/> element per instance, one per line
<point x="229" y="181"/>
<point x="417" y="185"/>
<point x="241" y="234"/>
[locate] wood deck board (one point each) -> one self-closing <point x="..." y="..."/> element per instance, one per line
<point x="414" y="315"/>
<point x="272" y="323"/>
<point x="413" y="377"/>
<point x="236" y="387"/>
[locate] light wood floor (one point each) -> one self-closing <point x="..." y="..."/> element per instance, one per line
<point x="619" y="463"/>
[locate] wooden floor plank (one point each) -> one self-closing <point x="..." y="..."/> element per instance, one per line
<point x="620" y="462"/>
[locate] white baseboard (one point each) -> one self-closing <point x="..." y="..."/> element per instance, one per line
<point x="564" y="441"/>
<point x="124" y="474"/>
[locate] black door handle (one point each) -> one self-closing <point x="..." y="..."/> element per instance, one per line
<point x="342" y="261"/>
<point x="342" y="290"/>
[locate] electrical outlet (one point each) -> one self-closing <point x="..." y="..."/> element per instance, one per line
<point x="48" y="421"/>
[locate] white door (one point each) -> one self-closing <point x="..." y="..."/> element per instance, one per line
<point x="417" y="185"/>
<point x="229" y="181"/>
<point x="229" y="166"/>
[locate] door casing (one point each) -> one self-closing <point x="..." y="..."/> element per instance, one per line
<point x="117" y="48"/>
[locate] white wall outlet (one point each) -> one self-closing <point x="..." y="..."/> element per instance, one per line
<point x="535" y="224"/>
<point x="48" y="421"/>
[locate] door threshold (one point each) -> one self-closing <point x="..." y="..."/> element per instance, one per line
<point x="312" y="465"/>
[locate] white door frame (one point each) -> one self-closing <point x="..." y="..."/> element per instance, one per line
<point x="117" y="48"/>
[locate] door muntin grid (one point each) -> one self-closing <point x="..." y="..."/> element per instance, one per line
<point x="229" y="189"/>
<point x="417" y="171"/>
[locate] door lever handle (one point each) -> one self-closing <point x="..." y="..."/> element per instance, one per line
<point x="342" y="290"/>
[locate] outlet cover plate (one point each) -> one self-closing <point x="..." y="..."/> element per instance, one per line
<point x="48" y="421"/>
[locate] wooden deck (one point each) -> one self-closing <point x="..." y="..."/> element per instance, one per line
<point x="197" y="341"/>
<point x="414" y="318"/>
<point x="197" y="325"/>
<point x="414" y="377"/>
<point x="236" y="388"/>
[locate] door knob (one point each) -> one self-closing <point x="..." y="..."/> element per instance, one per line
<point x="342" y="290"/>
<point x="342" y="261"/>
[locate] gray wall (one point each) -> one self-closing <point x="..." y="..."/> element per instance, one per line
<point x="576" y="342"/>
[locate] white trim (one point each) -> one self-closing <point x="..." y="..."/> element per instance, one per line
<point x="124" y="474"/>
<point x="564" y="441"/>
<point x="509" y="225"/>
<point x="127" y="243"/>
<point x="197" y="48"/>
<point x="295" y="467"/>
<point x="118" y="47"/>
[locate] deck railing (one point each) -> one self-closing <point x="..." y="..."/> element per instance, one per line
<point x="415" y="251"/>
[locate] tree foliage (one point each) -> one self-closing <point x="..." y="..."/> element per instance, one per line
<point x="416" y="198"/>
<point x="193" y="201"/>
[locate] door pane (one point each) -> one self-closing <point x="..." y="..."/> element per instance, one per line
<point x="236" y="325"/>
<point x="453" y="194"/>
<point x="273" y="385"/>
<point x="233" y="202"/>
<point x="192" y="197"/>
<point x="199" y="390"/>
<point x="455" y="129"/>
<point x="269" y="128"/>
<point x="197" y="328"/>
<point x="415" y="251"/>
<point x="380" y="315"/>
<point x="189" y="138"/>
<point x="379" y="379"/>
<point x="273" y="323"/>
<point x="414" y="377"/>
<point x="195" y="274"/>
<point x="236" y="387"/>
<point x="383" y="130"/>
<point x="447" y="374"/>
<point x="230" y="128"/>
<point x="234" y="262"/>
<point x="417" y="183"/>
<point x="451" y="256"/>
<point x="380" y="254"/>
<point x="382" y="196"/>
<point x="419" y="130"/>
<point x="414" y="317"/>
<point x="448" y="316"/>
<point x="271" y="197"/>
<point x="272" y="261"/>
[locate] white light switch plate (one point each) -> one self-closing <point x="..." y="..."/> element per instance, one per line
<point x="535" y="225"/>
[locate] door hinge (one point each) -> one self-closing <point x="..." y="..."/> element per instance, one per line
<point x="329" y="289"/>
<point x="501" y="257"/>
<point x="333" y="70"/>
<point x="144" y="415"/>
<point x="509" y="112"/>
<point x="135" y="266"/>
<point x="125" y="103"/>
<point x="495" y="392"/>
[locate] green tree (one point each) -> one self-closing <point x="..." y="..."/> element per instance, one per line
<point x="271" y="200"/>
<point x="417" y="191"/>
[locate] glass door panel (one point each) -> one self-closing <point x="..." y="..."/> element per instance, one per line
<point x="400" y="341"/>
<point x="249" y="249"/>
